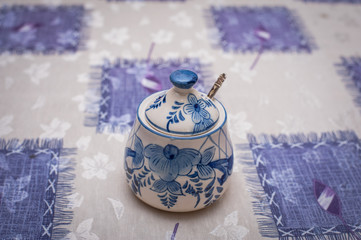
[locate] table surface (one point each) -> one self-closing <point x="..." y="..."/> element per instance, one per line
<point x="284" y="93"/>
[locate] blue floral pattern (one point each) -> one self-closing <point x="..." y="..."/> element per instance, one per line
<point x="166" y="164"/>
<point x="287" y="168"/>
<point x="169" y="162"/>
<point x="200" y="116"/>
<point x="36" y="178"/>
<point x="196" y="108"/>
<point x="68" y="38"/>
<point x="225" y="166"/>
<point x="176" y="115"/>
<point x="204" y="170"/>
<point x="158" y="102"/>
<point x="173" y="187"/>
<point x="284" y="181"/>
<point x="12" y="191"/>
<point x="116" y="101"/>
<point x="243" y="29"/>
<point x="136" y="155"/>
<point x="24" y="34"/>
<point x="41" y="29"/>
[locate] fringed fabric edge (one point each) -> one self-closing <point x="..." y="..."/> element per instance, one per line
<point x="65" y="177"/>
<point x="266" y="222"/>
<point x="312" y="138"/>
<point x="343" y="68"/>
<point x="300" y="24"/>
<point x="216" y="33"/>
<point x="65" y="187"/>
<point x="84" y="29"/>
<point x="31" y="144"/>
<point x="94" y="94"/>
<point x="81" y="25"/>
<point x="342" y="236"/>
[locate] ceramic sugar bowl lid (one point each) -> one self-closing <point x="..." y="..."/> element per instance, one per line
<point x="182" y="110"/>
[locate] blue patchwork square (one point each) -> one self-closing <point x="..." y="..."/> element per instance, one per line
<point x="41" y="29"/>
<point x="34" y="180"/>
<point x="253" y="29"/>
<point x="124" y="84"/>
<point x="309" y="187"/>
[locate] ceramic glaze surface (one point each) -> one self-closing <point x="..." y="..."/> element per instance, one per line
<point x="183" y="79"/>
<point x="182" y="110"/>
<point x="178" y="173"/>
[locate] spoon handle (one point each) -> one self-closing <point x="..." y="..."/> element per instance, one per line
<point x="217" y="85"/>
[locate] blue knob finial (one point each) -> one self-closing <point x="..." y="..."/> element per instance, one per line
<point x="184" y="79"/>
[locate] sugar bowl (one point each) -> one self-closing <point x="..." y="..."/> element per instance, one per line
<point x="179" y="155"/>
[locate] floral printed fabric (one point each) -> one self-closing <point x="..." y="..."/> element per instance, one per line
<point x="230" y="228"/>
<point x="200" y="116"/>
<point x="34" y="180"/>
<point x="286" y="167"/>
<point x="334" y="1"/>
<point x="126" y="83"/>
<point x="350" y="68"/>
<point x="41" y="29"/>
<point x="160" y="166"/>
<point x="261" y="28"/>
<point x="146" y="0"/>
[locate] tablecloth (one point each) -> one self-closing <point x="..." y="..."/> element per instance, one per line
<point x="291" y="89"/>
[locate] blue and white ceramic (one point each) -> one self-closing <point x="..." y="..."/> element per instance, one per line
<point x="179" y="155"/>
